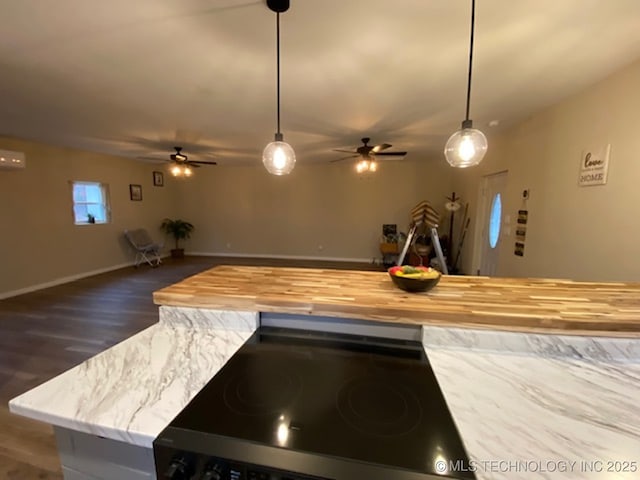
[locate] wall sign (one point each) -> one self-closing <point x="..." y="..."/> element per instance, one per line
<point x="521" y="231"/>
<point x="594" y="166"/>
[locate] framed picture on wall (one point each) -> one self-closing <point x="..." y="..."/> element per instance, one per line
<point x="135" y="192"/>
<point x="158" y="179"/>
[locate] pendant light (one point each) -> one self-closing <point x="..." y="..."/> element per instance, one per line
<point x="467" y="146"/>
<point x="278" y="157"/>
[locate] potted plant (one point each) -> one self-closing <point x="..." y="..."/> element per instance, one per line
<point x="180" y="230"/>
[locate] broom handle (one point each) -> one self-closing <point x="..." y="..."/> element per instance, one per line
<point x="464" y="233"/>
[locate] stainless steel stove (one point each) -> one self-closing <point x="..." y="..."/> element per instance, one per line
<point x="293" y="405"/>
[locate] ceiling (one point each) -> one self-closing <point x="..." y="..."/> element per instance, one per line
<point x="134" y="78"/>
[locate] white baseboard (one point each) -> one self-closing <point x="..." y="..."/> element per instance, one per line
<point x="283" y="257"/>
<point x="72" y="278"/>
<point x="61" y="280"/>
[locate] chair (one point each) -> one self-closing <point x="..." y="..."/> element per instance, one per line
<point x="146" y="249"/>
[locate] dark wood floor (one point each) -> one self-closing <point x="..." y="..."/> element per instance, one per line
<point x="47" y="332"/>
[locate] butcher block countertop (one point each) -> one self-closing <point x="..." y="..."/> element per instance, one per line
<point x="510" y="304"/>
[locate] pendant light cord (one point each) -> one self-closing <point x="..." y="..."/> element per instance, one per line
<point x="473" y="21"/>
<point x="278" y="66"/>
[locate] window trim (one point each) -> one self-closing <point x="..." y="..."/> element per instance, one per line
<point x="104" y="187"/>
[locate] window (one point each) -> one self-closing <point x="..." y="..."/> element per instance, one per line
<point x="494" y="221"/>
<point x="90" y="203"/>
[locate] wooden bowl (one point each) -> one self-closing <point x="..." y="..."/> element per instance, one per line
<point x="415" y="284"/>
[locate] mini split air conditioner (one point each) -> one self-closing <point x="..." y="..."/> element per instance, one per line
<point x="9" y="159"/>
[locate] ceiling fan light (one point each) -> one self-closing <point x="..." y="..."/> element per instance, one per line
<point x="373" y="166"/>
<point x="187" y="171"/>
<point x="176" y="171"/>
<point x="466" y="148"/>
<point x="279" y="158"/>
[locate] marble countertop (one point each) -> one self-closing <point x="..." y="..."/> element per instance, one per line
<point x="507" y="304"/>
<point x="541" y="406"/>
<point x="526" y="405"/>
<point x="132" y="391"/>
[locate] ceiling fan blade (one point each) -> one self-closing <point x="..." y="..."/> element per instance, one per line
<point x="343" y="151"/>
<point x="391" y="154"/>
<point x="192" y="164"/>
<point x="343" y="158"/>
<point x="382" y="146"/>
<point x="202" y="162"/>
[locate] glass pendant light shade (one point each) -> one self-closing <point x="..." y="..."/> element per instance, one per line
<point x="278" y="157"/>
<point x="466" y="147"/>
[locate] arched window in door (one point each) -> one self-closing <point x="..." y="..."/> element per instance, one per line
<point x="495" y="219"/>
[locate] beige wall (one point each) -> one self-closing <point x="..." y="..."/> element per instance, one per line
<point x="587" y="233"/>
<point x="39" y="242"/>
<point x="321" y="211"/>
<point x="327" y="211"/>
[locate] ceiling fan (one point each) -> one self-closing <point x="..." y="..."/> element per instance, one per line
<point x="368" y="155"/>
<point x="181" y="159"/>
<point x="181" y="165"/>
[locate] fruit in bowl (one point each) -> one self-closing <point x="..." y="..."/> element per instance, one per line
<point x="414" y="279"/>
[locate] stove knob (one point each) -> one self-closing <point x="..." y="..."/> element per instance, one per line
<point x="180" y="468"/>
<point x="213" y="471"/>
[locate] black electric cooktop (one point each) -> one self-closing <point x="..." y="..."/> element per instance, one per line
<point x="359" y="399"/>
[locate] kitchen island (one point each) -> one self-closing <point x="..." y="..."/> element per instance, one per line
<point x="540" y="376"/>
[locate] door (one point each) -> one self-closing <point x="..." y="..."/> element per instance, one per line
<point x="491" y="218"/>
